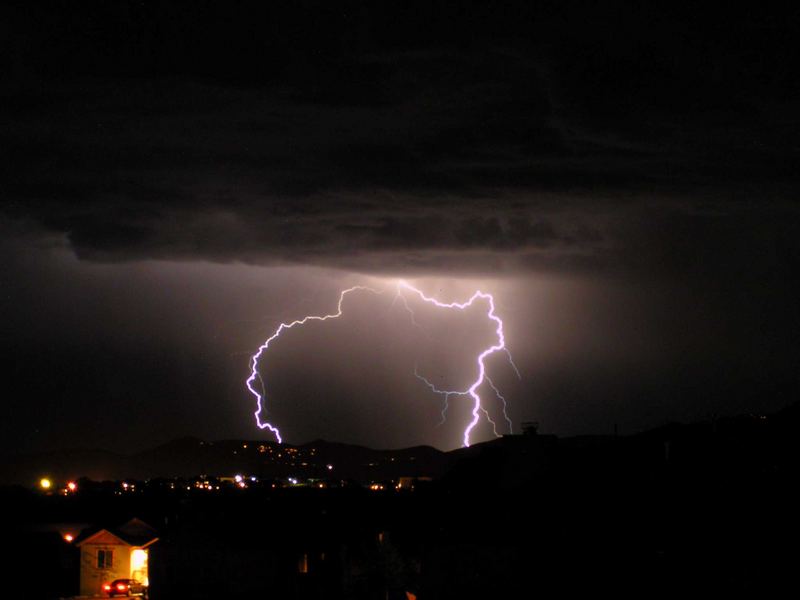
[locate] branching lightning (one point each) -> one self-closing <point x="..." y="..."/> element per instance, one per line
<point x="498" y="346"/>
<point x="503" y="401"/>
<point x="254" y="374"/>
<point x="399" y="296"/>
<point x="511" y="362"/>
<point x="473" y="390"/>
<point x="445" y="393"/>
<point x="493" y="424"/>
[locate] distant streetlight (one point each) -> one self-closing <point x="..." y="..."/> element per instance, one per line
<point x="45" y="483"/>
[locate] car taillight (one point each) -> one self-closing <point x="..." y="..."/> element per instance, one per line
<point x="121" y="587"/>
<point x="107" y="587"/>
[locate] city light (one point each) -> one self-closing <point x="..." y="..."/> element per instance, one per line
<point x="45" y="483"/>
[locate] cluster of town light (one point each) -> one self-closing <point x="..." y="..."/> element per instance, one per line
<point x="205" y="483"/>
<point x="127" y="487"/>
<point x="241" y="481"/>
<point x="238" y="480"/>
<point x="46" y="485"/>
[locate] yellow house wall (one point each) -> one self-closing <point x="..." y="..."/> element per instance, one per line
<point x="92" y="578"/>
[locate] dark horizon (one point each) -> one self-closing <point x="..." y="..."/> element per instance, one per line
<point x="179" y="439"/>
<point x="755" y="438"/>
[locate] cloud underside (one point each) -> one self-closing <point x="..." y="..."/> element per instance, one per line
<point x="408" y="161"/>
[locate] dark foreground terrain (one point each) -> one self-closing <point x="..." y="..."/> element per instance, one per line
<point x="708" y="508"/>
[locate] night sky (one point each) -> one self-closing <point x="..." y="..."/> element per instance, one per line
<point x="177" y="178"/>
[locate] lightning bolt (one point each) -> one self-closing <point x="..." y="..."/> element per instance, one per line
<point x="445" y="393"/>
<point x="503" y="400"/>
<point x="489" y="418"/>
<point x="511" y="362"/>
<point x="498" y="346"/>
<point x="399" y="296"/>
<point x="254" y="374"/>
<point x="448" y="393"/>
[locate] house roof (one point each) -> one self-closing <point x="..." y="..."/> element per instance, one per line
<point x="133" y="533"/>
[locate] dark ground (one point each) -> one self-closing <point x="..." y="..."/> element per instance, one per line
<point x="707" y="508"/>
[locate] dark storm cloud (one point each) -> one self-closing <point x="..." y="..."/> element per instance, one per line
<point x="365" y="137"/>
<point x="327" y="184"/>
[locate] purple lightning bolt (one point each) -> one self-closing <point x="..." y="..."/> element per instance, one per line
<point x="472" y="391"/>
<point x="254" y="374"/>
<point x="498" y="346"/>
<point x="448" y="393"/>
<point x="502" y="399"/>
<point x="445" y="393"/>
<point x="410" y="312"/>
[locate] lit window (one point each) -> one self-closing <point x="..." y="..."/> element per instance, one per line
<point x="139" y="565"/>
<point x="105" y="559"/>
<point x="302" y="564"/>
<point x="138" y="559"/>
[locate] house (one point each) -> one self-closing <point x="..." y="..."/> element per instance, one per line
<point x="114" y="553"/>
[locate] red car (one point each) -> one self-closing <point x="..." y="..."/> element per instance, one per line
<point x="125" y="587"/>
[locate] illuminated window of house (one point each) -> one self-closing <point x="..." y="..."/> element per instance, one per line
<point x="105" y="559"/>
<point x="302" y="564"/>
<point x="139" y="565"/>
